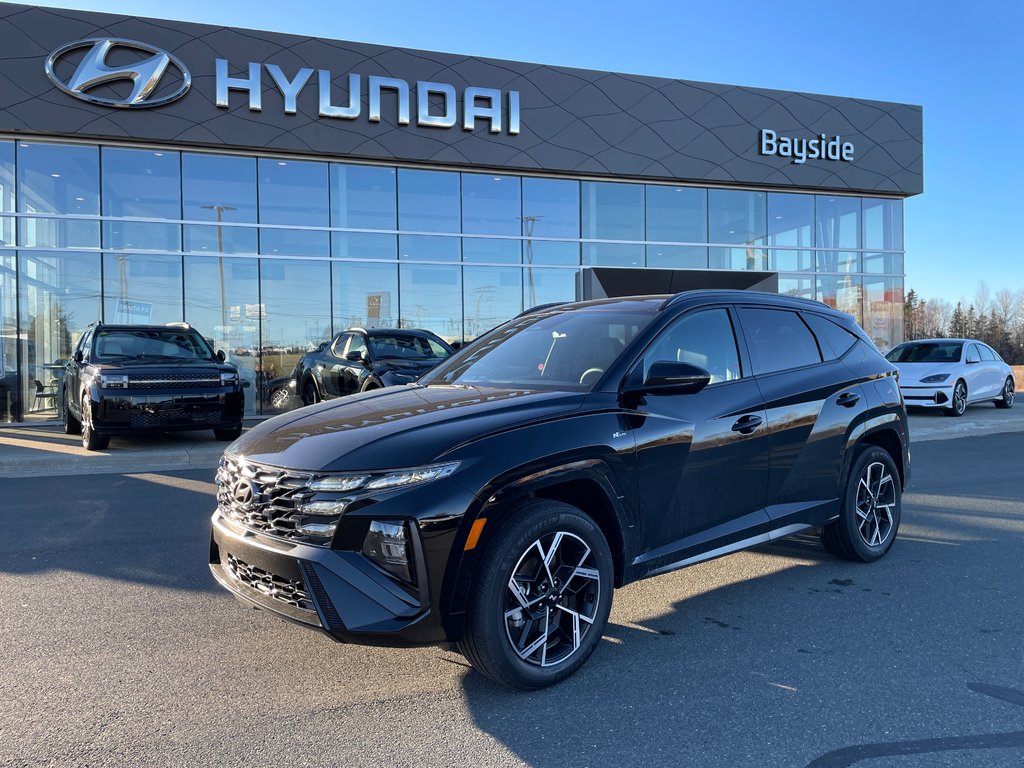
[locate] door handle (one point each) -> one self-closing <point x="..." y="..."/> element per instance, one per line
<point x="746" y="425"/>
<point x="848" y="399"/>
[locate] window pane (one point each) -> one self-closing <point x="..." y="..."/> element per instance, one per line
<point x="677" y="256"/>
<point x="778" y="340"/>
<point x="796" y="285"/>
<point x="838" y="221"/>
<point x="363" y="245"/>
<point x="838" y="261"/>
<point x="677" y="214"/>
<point x="431" y="298"/>
<point x="739" y="258"/>
<point x="141" y="289"/>
<point x="737" y="216"/>
<point x="841" y="292"/>
<point x="144" y="184"/>
<point x="490" y="204"/>
<point x="790" y="219"/>
<point x="293" y="192"/>
<point x="551" y="252"/>
<point x="883" y="224"/>
<point x="363" y="197"/>
<point x="6" y="194"/>
<point x="704" y="339"/>
<point x="886" y="263"/>
<point x="491" y="251"/>
<point x="491" y="295"/>
<point x="222" y="303"/>
<point x="429" y="248"/>
<point x="613" y="254"/>
<point x="58" y="178"/>
<point x="428" y="201"/>
<point x="365" y="295"/>
<point x="612" y="211"/>
<point x="834" y="340"/>
<point x="10" y="398"/>
<point x="219" y="189"/>
<point x="551" y="208"/>
<point x="791" y="261"/>
<point x="883" y="311"/>
<point x="60" y="296"/>
<point x="296" y="311"/>
<point x="544" y="286"/>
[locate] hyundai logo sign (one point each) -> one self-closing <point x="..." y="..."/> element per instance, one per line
<point x="145" y="74"/>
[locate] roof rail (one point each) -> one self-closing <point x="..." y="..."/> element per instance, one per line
<point x="184" y="326"/>
<point x="540" y="307"/>
<point x="94" y="324"/>
<point x="737" y="293"/>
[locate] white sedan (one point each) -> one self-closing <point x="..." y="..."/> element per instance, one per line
<point x="952" y="374"/>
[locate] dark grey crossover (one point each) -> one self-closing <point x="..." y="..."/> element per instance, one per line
<point x="497" y="502"/>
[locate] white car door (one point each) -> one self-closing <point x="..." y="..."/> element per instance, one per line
<point x="973" y="373"/>
<point x="993" y="370"/>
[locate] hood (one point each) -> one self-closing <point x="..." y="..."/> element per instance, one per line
<point x="914" y="372"/>
<point x="149" y="366"/>
<point x="395" y="427"/>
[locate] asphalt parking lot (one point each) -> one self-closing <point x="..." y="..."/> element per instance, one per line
<point x="118" y="649"/>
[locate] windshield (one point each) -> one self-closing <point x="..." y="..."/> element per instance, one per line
<point x="407" y="346"/>
<point x="150" y="343"/>
<point x="566" y="351"/>
<point x="927" y="352"/>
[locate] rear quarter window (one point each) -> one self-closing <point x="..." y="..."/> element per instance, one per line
<point x="835" y="341"/>
<point x="778" y="340"/>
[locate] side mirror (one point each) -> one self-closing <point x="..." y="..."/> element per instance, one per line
<point x="357" y="357"/>
<point x="78" y="356"/>
<point x="221" y="356"/>
<point x="670" y="378"/>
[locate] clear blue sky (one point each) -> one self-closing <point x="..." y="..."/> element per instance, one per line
<point x="963" y="63"/>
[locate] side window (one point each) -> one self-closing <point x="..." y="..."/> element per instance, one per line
<point x="832" y="337"/>
<point x="356" y="343"/>
<point x="704" y="339"/>
<point x="778" y="340"/>
<point x="338" y="347"/>
<point x="84" y="342"/>
<point x="973" y="356"/>
<point x="986" y="354"/>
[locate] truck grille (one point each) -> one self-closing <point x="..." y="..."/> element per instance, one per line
<point x="173" y="381"/>
<point x="278" y="587"/>
<point x="264" y="499"/>
<point x="176" y="418"/>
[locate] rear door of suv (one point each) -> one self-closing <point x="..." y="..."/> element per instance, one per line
<point x="811" y="400"/>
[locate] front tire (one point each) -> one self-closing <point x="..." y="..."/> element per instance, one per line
<point x="959" y="404"/>
<point x="542" y="598"/>
<point x="71" y="425"/>
<point x="91" y="439"/>
<point x="310" y="394"/>
<point x="226" y="435"/>
<point x="1006" y="401"/>
<point x="871" y="509"/>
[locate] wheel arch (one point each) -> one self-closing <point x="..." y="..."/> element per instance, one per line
<point x="888" y="440"/>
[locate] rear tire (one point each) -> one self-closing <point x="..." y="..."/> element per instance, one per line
<point x="871" y="508"/>
<point x="1006" y="401"/>
<point x="310" y="394"/>
<point x="71" y="425"/>
<point x="562" y="569"/>
<point x="959" y="404"/>
<point x="91" y="439"/>
<point x="226" y="435"/>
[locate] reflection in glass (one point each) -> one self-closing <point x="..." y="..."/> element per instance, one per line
<point x="58" y="178"/>
<point x="677" y="256"/>
<point x="293" y="192"/>
<point x="737" y="216"/>
<point x="428" y="201"/>
<point x="363" y="196"/>
<point x="222" y="303"/>
<point x="141" y="183"/>
<point x="790" y="219"/>
<point x="6" y="195"/>
<point x="365" y="295"/>
<point x="883" y="224"/>
<point x="551" y="208"/>
<point x="486" y="250"/>
<point x="10" y="399"/>
<point x="296" y="312"/>
<point x="551" y="252"/>
<point x="677" y="214"/>
<point x="613" y="254"/>
<point x="842" y="292"/>
<point x="139" y="288"/>
<point x="545" y="286"/>
<point x="490" y="204"/>
<point x="59" y="294"/>
<point x="838" y="261"/>
<point x="739" y="258"/>
<point x="797" y="285"/>
<point x="883" y="311"/>
<point x="887" y="263"/>
<point x="612" y="210"/>
<point x="491" y="295"/>
<point x="364" y="245"/>
<point x="429" y="248"/>
<point x="219" y="189"/>
<point x="791" y="261"/>
<point x="838" y="221"/>
<point x="431" y="298"/>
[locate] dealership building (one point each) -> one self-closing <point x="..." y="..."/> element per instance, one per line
<point x="273" y="189"/>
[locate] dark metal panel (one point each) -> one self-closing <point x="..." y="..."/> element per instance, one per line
<point x="614" y="282"/>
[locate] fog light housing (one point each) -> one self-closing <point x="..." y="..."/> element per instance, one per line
<point x="387" y="545"/>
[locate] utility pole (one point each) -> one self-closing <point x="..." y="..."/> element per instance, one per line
<point x="219" y="209"/>
<point x="529" y="222"/>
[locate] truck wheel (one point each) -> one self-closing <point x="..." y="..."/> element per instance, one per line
<point x="70" y="423"/>
<point x="542" y="597"/>
<point x="91" y="440"/>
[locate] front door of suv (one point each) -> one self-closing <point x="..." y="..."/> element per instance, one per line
<point x="701" y="458"/>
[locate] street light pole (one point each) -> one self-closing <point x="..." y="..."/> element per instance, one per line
<point x="529" y="223"/>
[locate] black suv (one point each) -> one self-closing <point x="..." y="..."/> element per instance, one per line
<point x="134" y="378"/>
<point x="498" y="501"/>
<point x="358" y="360"/>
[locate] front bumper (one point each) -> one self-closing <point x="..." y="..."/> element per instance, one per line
<point x="120" y="411"/>
<point x="337" y="592"/>
<point x="922" y="396"/>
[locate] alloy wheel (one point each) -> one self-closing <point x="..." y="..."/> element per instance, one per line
<point x="86" y="421"/>
<point x="1008" y="393"/>
<point x="552" y="599"/>
<point x="876" y="500"/>
<point x="959" y="397"/>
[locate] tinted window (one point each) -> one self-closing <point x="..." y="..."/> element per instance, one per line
<point x="704" y="339"/>
<point x="986" y="353"/>
<point x="612" y="210"/>
<point x="835" y="340"/>
<point x="143" y="184"/>
<point x="927" y="352"/>
<point x="778" y="340"/>
<point x="838" y="221"/>
<point x="428" y="201"/>
<point x="119" y="344"/>
<point x="392" y="345"/>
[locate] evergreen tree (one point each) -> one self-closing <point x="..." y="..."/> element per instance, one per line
<point x="958" y="322"/>
<point x="910" y="315"/>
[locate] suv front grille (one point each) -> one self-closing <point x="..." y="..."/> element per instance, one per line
<point x="277" y="587"/>
<point x="263" y="499"/>
<point x="166" y="418"/>
<point x="165" y="380"/>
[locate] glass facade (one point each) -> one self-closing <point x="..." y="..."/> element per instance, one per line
<point x="269" y="256"/>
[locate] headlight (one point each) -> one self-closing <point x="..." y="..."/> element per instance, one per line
<point x="111" y="382"/>
<point x="227" y="379"/>
<point x="379" y="481"/>
<point x="386" y="544"/>
<point x="935" y="378"/>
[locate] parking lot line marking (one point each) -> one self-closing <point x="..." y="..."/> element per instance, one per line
<point x="176" y="482"/>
